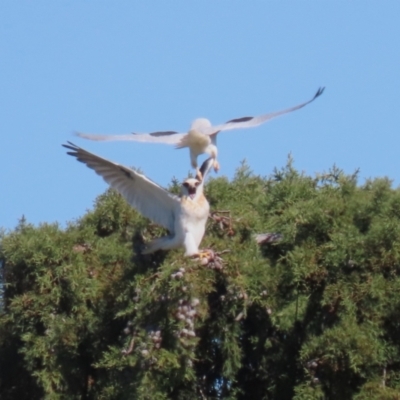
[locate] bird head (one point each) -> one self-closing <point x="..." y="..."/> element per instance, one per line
<point x="191" y="188"/>
<point x="200" y="124"/>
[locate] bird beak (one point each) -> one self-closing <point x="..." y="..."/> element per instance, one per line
<point x="192" y="192"/>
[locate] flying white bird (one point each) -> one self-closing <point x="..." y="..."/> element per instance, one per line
<point x="202" y="136"/>
<point x="185" y="217"/>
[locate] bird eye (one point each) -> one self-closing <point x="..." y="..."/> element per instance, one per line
<point x="197" y="183"/>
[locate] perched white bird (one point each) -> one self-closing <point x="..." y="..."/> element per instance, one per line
<point x="202" y="136"/>
<point x="185" y="217"/>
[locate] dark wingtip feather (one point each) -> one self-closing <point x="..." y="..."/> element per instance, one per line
<point x="243" y="119"/>
<point x="70" y="146"/>
<point x="163" y="133"/>
<point x="75" y="149"/>
<point x="319" y="92"/>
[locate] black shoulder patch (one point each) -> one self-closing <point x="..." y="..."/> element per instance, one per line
<point x="126" y="173"/>
<point x="163" y="133"/>
<point x="243" y="119"/>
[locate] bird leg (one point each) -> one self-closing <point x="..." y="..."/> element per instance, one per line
<point x="207" y="254"/>
<point x="211" y="259"/>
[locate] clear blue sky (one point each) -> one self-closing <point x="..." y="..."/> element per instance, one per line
<point x="117" y="67"/>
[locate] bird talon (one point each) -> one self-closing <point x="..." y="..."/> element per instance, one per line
<point x="205" y="254"/>
<point x="211" y="259"/>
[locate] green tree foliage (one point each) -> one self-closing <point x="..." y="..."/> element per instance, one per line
<point x="315" y="315"/>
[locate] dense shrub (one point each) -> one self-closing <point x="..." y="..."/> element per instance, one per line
<point x="314" y="315"/>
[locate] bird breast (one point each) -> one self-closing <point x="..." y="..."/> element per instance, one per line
<point x="196" y="209"/>
<point x="197" y="141"/>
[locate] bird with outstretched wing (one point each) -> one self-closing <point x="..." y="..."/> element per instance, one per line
<point x="184" y="216"/>
<point x="202" y="136"/>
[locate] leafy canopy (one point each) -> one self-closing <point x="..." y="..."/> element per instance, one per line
<point x="314" y="315"/>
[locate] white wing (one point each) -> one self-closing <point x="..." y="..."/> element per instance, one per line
<point x="147" y="197"/>
<point x="249" y="122"/>
<point x="166" y="137"/>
